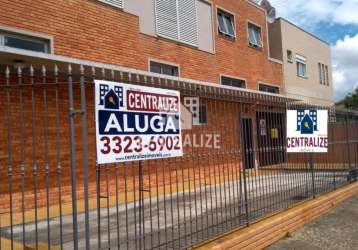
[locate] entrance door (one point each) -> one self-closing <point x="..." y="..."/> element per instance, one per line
<point x="248" y="143"/>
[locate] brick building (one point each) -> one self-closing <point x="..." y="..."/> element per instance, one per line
<point x="221" y="43"/>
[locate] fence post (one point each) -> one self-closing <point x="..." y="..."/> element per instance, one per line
<point x="71" y="112"/>
<point x="85" y="153"/>
<point x="347" y="143"/>
<point x="244" y="167"/>
<point x="310" y="159"/>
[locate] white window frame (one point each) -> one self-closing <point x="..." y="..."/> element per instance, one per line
<point x="301" y="60"/>
<point x="220" y="9"/>
<point x="254" y="45"/>
<point x="233" y="77"/>
<point x="26" y="35"/>
<point x="163" y="62"/>
<point x="270" y="85"/>
<point x="178" y="26"/>
<point x="109" y="2"/>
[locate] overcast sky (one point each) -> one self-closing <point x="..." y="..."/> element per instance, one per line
<point x="335" y="21"/>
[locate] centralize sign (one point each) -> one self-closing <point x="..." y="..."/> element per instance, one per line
<point x="136" y="123"/>
<point x="307" y="131"/>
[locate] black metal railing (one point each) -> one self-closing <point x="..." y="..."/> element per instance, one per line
<point x="235" y="169"/>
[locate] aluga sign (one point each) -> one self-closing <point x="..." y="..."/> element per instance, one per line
<point x="307" y="131"/>
<point x="136" y="122"/>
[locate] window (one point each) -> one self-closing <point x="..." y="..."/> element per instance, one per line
<point x="234" y="82"/>
<point x="226" y="24"/>
<point x="269" y="89"/>
<point x="320" y="73"/>
<point x="289" y="56"/>
<point x="323" y="74"/>
<point x="20" y="41"/>
<point x="176" y="19"/>
<point x="254" y="36"/>
<point x="164" y="69"/>
<point x="203" y="114"/>
<point x="327" y="79"/>
<point x="115" y="3"/>
<point x="301" y="66"/>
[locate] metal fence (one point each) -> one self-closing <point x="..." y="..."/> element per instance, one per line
<point x="234" y="171"/>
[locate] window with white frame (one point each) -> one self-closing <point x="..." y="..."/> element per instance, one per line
<point x="115" y="3"/>
<point x="233" y="82"/>
<point x="301" y="66"/>
<point x="164" y="69"/>
<point x="269" y="89"/>
<point x="20" y="41"/>
<point x="255" y="39"/>
<point x="176" y="19"/>
<point x="226" y="23"/>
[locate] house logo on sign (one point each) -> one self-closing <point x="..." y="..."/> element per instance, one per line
<point x="110" y="98"/>
<point x="307" y="131"/>
<point x="307" y="122"/>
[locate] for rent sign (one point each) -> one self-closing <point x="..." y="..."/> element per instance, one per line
<point x="136" y="122"/>
<point x="307" y="131"/>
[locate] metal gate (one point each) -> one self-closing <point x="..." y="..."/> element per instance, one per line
<point x="234" y="170"/>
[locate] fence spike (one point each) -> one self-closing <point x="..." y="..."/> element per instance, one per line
<point x="7" y="72"/>
<point x="93" y="72"/>
<point x="19" y="71"/>
<point x="82" y="70"/>
<point x="103" y="73"/>
<point x="56" y="70"/>
<point x="43" y="69"/>
<point x="31" y="70"/>
<point x="112" y="74"/>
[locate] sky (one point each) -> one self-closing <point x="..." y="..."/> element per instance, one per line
<point x="335" y="21"/>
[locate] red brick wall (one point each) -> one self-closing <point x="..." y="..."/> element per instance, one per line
<point x="88" y="29"/>
<point x="94" y="31"/>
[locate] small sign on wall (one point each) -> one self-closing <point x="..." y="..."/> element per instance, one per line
<point x="307" y="131"/>
<point x="262" y="127"/>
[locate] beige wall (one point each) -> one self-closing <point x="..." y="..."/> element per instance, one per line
<point x="316" y="51"/>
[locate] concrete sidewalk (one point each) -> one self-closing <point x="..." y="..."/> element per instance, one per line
<point x="337" y="230"/>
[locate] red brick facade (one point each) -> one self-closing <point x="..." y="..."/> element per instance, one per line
<point x="91" y="30"/>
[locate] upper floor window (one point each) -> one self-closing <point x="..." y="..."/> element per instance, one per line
<point x="234" y="82"/>
<point x="115" y="3"/>
<point x="255" y="39"/>
<point x="301" y="66"/>
<point x="269" y="89"/>
<point x="226" y="23"/>
<point x="176" y="19"/>
<point x="26" y="42"/>
<point x="164" y="69"/>
<point x="323" y="74"/>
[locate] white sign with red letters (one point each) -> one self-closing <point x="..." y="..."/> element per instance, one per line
<point x="136" y="123"/>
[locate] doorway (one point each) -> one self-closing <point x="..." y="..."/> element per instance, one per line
<point x="248" y="143"/>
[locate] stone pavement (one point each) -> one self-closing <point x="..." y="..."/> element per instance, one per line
<point x="337" y="230"/>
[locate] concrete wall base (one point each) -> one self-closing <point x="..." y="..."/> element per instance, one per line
<point x="265" y="232"/>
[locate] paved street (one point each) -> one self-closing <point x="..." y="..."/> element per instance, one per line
<point x="184" y="218"/>
<point x="336" y="230"/>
